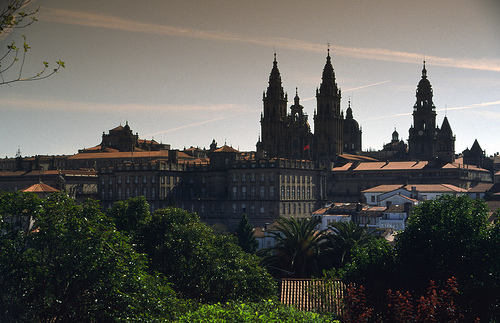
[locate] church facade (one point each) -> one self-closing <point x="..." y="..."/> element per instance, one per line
<point x="287" y="134"/>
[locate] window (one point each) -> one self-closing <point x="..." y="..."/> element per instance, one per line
<point x="243" y="177"/>
<point x="262" y="208"/>
<point x="153" y="193"/>
<point x="252" y="177"/>
<point x="153" y="179"/>
<point x="119" y="180"/>
<point x="234" y="208"/>
<point x="110" y="193"/>
<point x="127" y="180"/>
<point x="145" y="192"/>
<point x="252" y="209"/>
<point x="243" y="208"/>
<point x="252" y="192"/>
<point x="244" y="191"/>
<point x="235" y="192"/>
<point x="271" y="177"/>
<point x="262" y="191"/>
<point x="119" y="192"/>
<point x="127" y="192"/>
<point x="234" y="178"/>
<point x="136" y="179"/>
<point x="144" y="179"/>
<point x="262" y="178"/>
<point x="271" y="191"/>
<point x="293" y="192"/>
<point x="282" y="192"/>
<point x="288" y="192"/>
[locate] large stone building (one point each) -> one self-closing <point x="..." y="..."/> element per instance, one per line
<point x="288" y="135"/>
<point x="221" y="190"/>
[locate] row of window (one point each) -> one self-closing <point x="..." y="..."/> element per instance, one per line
<point x="252" y="177"/>
<point x="127" y="193"/>
<point x="295" y="193"/>
<point x="297" y="179"/>
<point x="143" y="179"/>
<point x="262" y="192"/>
<point x="296" y="208"/>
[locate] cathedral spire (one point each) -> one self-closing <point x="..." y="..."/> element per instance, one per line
<point x="275" y="89"/>
<point x="328" y="85"/>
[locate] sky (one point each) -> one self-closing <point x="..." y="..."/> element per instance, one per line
<point x="186" y="72"/>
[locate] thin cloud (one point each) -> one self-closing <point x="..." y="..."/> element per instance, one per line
<point x="33" y="104"/>
<point x="106" y="21"/>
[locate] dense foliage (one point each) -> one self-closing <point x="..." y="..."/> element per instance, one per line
<point x="451" y="237"/>
<point x="72" y="265"/>
<point x="201" y="265"/>
<point x="244" y="233"/>
<point x="264" y="311"/>
<point x="297" y="250"/>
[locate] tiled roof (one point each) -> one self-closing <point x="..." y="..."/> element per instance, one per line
<point x="395" y="208"/>
<point x="357" y="157"/>
<point x="464" y="166"/>
<point x="40" y="188"/>
<point x="128" y="154"/>
<point x="421" y="188"/>
<point x="481" y="188"/>
<point x="309" y="295"/>
<point x="383" y="188"/>
<point x="226" y="149"/>
<point x="120" y="127"/>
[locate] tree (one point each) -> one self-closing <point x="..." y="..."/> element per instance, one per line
<point x="372" y="265"/>
<point x="130" y="215"/>
<point x="13" y="60"/>
<point x="201" y="265"/>
<point x="451" y="237"/>
<point x="345" y="236"/>
<point x="298" y="247"/>
<point x="73" y="266"/>
<point x="244" y="233"/>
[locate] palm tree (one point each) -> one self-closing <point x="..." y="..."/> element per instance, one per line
<point x="298" y="245"/>
<point x="345" y="236"/>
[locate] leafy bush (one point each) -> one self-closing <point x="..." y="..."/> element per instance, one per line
<point x="265" y="311"/>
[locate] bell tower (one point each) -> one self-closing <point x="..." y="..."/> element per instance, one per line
<point x="273" y="118"/>
<point x="423" y="134"/>
<point x="328" y="119"/>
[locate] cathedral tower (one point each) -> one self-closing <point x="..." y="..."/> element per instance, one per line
<point x="426" y="141"/>
<point x="328" y="120"/>
<point x="273" y="118"/>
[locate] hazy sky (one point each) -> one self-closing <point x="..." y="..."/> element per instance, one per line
<point x="186" y="72"/>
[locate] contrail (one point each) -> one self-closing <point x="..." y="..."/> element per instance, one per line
<point x="356" y="88"/>
<point x="105" y="21"/>
<point x="199" y="123"/>
<point x="472" y="106"/>
<point x="362" y="87"/>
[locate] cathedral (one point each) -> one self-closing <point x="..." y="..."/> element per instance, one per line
<point x="288" y="134"/>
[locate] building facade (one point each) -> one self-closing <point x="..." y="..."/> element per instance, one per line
<point x="288" y="135"/>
